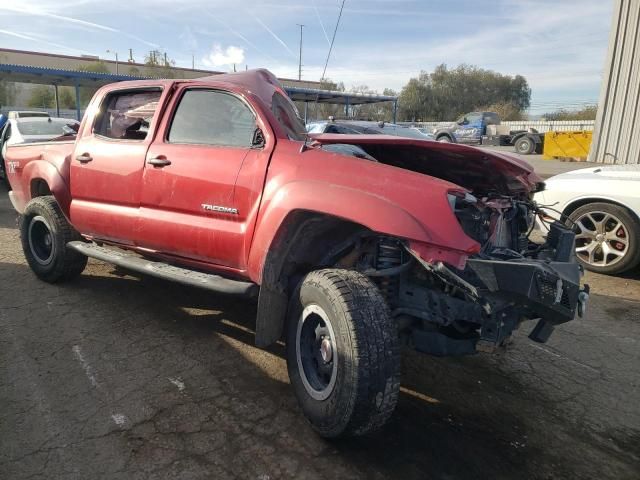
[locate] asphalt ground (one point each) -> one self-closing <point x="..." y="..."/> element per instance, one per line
<point x="113" y="376"/>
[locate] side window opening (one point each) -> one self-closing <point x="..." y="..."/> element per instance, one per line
<point x="127" y="115"/>
<point x="211" y="117"/>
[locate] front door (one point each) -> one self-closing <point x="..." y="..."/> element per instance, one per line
<point x="469" y="128"/>
<point x="107" y="164"/>
<point x="203" y="179"/>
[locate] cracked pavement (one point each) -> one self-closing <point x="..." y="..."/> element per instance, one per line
<point x="114" y="376"/>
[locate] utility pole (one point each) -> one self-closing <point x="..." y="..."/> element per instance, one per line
<point x="116" y="54"/>
<point x="193" y="62"/>
<point x="300" y="60"/>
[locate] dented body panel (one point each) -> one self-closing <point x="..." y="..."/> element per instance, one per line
<point x="269" y="211"/>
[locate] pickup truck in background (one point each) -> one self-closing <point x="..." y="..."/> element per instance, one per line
<point x="353" y="244"/>
<point x="484" y="128"/>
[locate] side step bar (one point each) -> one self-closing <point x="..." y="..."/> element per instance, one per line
<point x="164" y="270"/>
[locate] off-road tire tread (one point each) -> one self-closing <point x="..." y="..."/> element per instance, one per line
<point x="376" y="346"/>
<point x="69" y="263"/>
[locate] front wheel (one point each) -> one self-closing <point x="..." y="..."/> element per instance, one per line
<point x="45" y="232"/>
<point x="343" y="353"/>
<point x="444" y="139"/>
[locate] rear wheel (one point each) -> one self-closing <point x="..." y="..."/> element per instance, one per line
<point x="45" y="232"/>
<point x="524" y="146"/>
<point x="343" y="353"/>
<point x="444" y="139"/>
<point x="607" y="238"/>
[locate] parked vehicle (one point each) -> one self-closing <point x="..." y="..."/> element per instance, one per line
<point x="28" y="129"/>
<point x="484" y="128"/>
<point x="469" y="128"/>
<point x="15" y="114"/>
<point x="350" y="127"/>
<point x="215" y="183"/>
<point x="602" y="205"/>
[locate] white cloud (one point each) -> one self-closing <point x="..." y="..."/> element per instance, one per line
<point x="219" y="57"/>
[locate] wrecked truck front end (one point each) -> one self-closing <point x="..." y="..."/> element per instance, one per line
<point x="476" y="307"/>
<point x="461" y="307"/>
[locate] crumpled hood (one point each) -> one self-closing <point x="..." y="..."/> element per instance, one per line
<point x="479" y="170"/>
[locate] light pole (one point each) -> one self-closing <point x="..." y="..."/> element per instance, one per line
<point x="300" y="59"/>
<point x="116" y="54"/>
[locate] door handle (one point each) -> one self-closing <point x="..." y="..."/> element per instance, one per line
<point x="84" y="158"/>
<point x="159" y="161"/>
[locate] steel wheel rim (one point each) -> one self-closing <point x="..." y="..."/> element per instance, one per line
<point x="316" y="353"/>
<point x="524" y="146"/>
<point x="41" y="240"/>
<point x="602" y="239"/>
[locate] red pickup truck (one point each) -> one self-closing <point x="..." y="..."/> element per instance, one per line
<point x="354" y="245"/>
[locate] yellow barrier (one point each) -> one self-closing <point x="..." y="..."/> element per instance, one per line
<point x="567" y="145"/>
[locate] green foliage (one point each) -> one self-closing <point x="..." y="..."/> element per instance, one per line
<point x="446" y="94"/>
<point x="160" y="66"/>
<point x="42" y="96"/>
<point x="97" y="66"/>
<point x="8" y="91"/>
<point x="587" y="113"/>
<point x="506" y="110"/>
<point x="67" y="97"/>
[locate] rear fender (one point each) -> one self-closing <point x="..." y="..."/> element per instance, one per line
<point x="36" y="172"/>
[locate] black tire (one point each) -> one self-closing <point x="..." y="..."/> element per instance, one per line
<point x="365" y="367"/>
<point x="444" y="139"/>
<point x="524" y="146"/>
<point x="626" y="257"/>
<point x="45" y="232"/>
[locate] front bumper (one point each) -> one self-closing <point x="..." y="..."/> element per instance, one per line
<point x="499" y="294"/>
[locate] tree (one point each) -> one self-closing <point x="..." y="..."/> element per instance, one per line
<point x="8" y="91"/>
<point x="506" y="110"/>
<point x="445" y="94"/>
<point x="159" y="65"/>
<point x="586" y="113"/>
<point x="42" y="97"/>
<point x="66" y="98"/>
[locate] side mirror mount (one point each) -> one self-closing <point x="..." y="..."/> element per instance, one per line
<point x="258" y="140"/>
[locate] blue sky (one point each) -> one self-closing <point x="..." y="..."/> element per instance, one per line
<point x="559" y="46"/>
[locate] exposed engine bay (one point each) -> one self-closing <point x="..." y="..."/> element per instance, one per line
<point x="443" y="310"/>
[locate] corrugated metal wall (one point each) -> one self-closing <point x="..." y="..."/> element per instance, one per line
<point x="616" y="137"/>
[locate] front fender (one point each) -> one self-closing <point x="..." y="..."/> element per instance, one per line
<point x="374" y="212"/>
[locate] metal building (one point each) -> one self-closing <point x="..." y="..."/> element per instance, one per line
<point x="616" y="136"/>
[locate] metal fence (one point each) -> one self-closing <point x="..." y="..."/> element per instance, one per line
<point x="539" y="125"/>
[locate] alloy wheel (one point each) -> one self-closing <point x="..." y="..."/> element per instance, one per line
<point x="602" y="240"/>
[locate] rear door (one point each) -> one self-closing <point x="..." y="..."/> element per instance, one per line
<point x="203" y="178"/>
<point x="108" y="161"/>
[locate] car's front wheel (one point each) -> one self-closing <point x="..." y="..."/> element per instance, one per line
<point x="343" y="353"/>
<point x="45" y="232"/>
<point x="607" y="237"/>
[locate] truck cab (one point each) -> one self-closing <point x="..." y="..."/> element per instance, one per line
<point x="469" y="128"/>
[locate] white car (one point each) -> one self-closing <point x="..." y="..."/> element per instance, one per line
<point x="24" y="128"/>
<point x="603" y="206"/>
